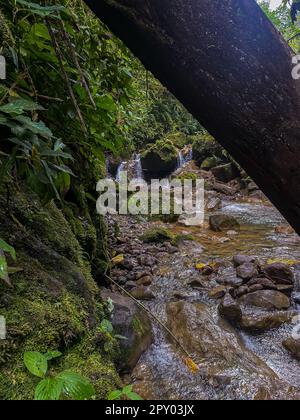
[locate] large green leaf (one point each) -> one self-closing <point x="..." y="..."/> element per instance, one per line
<point x="76" y="386"/>
<point x="12" y="108"/>
<point x="115" y="395"/>
<point x="36" y="127"/>
<point x="48" y="389"/>
<point x="36" y="363"/>
<point x="43" y="11"/>
<point x="7" y="248"/>
<point x="4" y="268"/>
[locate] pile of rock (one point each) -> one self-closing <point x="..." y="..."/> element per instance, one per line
<point x="260" y="297"/>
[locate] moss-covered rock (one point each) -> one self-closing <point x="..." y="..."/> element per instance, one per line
<point x="160" y="159"/>
<point x="204" y="147"/>
<point x="54" y="304"/>
<point x="157" y="235"/>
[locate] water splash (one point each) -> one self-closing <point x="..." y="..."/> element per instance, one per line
<point x="138" y="167"/>
<point x="184" y="158"/>
<point x="121" y="168"/>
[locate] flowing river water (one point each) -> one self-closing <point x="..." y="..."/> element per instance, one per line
<point x="161" y="372"/>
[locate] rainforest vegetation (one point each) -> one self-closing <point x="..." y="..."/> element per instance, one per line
<point x="75" y="105"/>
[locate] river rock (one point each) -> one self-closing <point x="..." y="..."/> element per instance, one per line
<point x="241" y="291"/>
<point x="247" y="271"/>
<point x="293" y="346"/>
<point x="223" y="353"/>
<point x="145" y="281"/>
<point x="256" y="288"/>
<point x="214" y="203"/>
<point x="133" y="323"/>
<point x="279" y="273"/>
<point x="297" y="298"/>
<point x="287" y="289"/>
<point x="262" y="321"/>
<point x="223" y="222"/>
<point x="142" y="293"/>
<point x="230" y="309"/>
<point x="233" y="282"/>
<point x="266" y="283"/>
<point x="225" y="173"/>
<point x="218" y="292"/>
<point x="243" y="259"/>
<point x="266" y="299"/>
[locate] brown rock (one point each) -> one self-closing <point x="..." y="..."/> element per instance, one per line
<point x="279" y="273"/>
<point x="293" y="346"/>
<point x="255" y="288"/>
<point x="266" y="283"/>
<point x="243" y="290"/>
<point x="127" y="315"/>
<point x="266" y="299"/>
<point x="230" y="309"/>
<point x="285" y="288"/>
<point x="142" y="293"/>
<point x="243" y="259"/>
<point x="145" y="281"/>
<point x="247" y="271"/>
<point x="218" y="292"/>
<point x="265" y="321"/>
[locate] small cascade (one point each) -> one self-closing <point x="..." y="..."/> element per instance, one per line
<point x="139" y="174"/>
<point x="184" y="158"/>
<point x="121" y="168"/>
<point x="180" y="160"/>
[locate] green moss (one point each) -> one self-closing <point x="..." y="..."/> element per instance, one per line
<point x="157" y="235"/>
<point x="55" y="303"/>
<point x="205" y="146"/>
<point x="181" y="238"/>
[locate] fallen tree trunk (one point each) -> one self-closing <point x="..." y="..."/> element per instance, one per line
<point x="230" y="67"/>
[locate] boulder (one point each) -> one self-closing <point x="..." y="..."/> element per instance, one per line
<point x="247" y="271"/>
<point x="225" y="173"/>
<point x="279" y="273"/>
<point x="293" y="346"/>
<point x="160" y="159"/>
<point x="230" y="309"/>
<point x="142" y="293"/>
<point x="262" y="321"/>
<point x="266" y="299"/>
<point x="133" y="323"/>
<point x="223" y="222"/>
<point x="240" y="259"/>
<point x="205" y="146"/>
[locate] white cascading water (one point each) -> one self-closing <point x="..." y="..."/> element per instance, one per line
<point x="121" y="169"/>
<point x="139" y="174"/>
<point x="183" y="159"/>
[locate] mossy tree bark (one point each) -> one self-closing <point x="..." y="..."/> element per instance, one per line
<point x="230" y="67"/>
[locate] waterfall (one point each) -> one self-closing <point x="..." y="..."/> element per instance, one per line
<point x="121" y="169"/>
<point x="139" y="174"/>
<point x="184" y="158"/>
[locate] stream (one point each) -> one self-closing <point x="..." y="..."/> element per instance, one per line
<point x="161" y="372"/>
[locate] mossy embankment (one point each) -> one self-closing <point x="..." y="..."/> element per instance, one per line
<point x="55" y="302"/>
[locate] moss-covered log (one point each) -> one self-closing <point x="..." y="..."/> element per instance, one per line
<point x="231" y="68"/>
